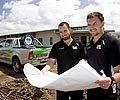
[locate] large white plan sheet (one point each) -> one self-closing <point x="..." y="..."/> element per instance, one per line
<point x="81" y="76"/>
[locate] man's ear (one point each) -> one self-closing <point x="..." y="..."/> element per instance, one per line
<point x="103" y="23"/>
<point x="71" y="30"/>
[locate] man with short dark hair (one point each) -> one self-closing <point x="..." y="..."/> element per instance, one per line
<point x="67" y="53"/>
<point x="103" y="54"/>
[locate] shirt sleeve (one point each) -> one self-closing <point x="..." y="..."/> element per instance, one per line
<point x="53" y="52"/>
<point x="114" y="52"/>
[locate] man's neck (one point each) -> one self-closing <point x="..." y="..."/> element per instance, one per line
<point x="68" y="42"/>
<point x="96" y="38"/>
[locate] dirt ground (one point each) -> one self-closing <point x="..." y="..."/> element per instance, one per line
<point x="16" y="87"/>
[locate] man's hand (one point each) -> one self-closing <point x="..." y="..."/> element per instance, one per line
<point x="45" y="69"/>
<point x="105" y="83"/>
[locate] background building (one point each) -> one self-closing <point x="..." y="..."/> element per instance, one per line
<point x="49" y="37"/>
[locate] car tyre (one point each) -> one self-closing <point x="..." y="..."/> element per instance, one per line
<point x="16" y="65"/>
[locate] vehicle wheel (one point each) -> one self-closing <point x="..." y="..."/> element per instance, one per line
<point x="16" y="65"/>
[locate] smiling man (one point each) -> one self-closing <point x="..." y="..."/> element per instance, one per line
<point x="103" y="54"/>
<point x="67" y="53"/>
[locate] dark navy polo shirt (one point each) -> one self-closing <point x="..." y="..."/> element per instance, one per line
<point x="67" y="56"/>
<point x="104" y="53"/>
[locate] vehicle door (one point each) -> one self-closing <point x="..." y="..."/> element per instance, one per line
<point x="7" y="51"/>
<point x="2" y="45"/>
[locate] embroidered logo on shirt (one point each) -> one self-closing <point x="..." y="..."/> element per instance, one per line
<point x="61" y="48"/>
<point x="74" y="47"/>
<point x="98" y="47"/>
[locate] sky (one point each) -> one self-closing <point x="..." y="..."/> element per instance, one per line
<point x="19" y="16"/>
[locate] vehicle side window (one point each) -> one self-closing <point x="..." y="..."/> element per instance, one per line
<point x="22" y="43"/>
<point x="16" y="44"/>
<point x="2" y="43"/>
<point x="8" y="43"/>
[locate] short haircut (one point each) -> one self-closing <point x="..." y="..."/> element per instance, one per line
<point x="96" y="14"/>
<point x="64" y="23"/>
